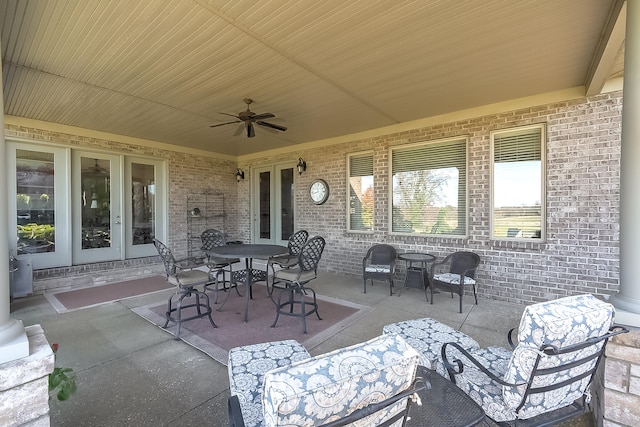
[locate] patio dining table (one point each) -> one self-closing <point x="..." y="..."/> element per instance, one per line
<point x="249" y="252"/>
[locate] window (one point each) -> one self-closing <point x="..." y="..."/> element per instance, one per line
<point x="360" y="192"/>
<point x="429" y="190"/>
<point x="518" y="187"/>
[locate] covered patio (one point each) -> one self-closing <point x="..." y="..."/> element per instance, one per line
<point x="150" y="96"/>
<point x="130" y="372"/>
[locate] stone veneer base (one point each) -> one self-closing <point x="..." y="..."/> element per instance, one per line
<point x="24" y="384"/>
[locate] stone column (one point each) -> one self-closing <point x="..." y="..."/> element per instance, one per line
<point x="627" y="301"/>
<point x="14" y="343"/>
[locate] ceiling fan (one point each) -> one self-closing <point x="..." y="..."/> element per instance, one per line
<point x="248" y="118"/>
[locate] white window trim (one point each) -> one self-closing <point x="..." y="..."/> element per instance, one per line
<point x="543" y="184"/>
<point x="348" y="198"/>
<point x="464" y="236"/>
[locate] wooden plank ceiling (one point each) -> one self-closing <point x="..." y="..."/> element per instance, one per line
<point x="163" y="70"/>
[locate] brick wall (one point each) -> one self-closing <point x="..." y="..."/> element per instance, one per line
<point x="582" y="191"/>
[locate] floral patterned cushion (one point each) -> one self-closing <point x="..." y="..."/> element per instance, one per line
<point x="453" y="278"/>
<point x="375" y="268"/>
<point x="427" y="336"/>
<point x="331" y="386"/>
<point x="247" y="366"/>
<point x="561" y="322"/>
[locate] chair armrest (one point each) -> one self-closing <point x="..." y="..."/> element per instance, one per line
<point x="512" y="344"/>
<point x="456" y="366"/>
<point x="418" y="385"/>
<point x="235" y="413"/>
<point x="190" y="263"/>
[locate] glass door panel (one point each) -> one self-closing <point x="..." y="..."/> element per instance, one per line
<point x="39" y="201"/>
<point x="263" y="206"/>
<point x="98" y="224"/>
<point x="273" y="205"/>
<point x="144" y="202"/>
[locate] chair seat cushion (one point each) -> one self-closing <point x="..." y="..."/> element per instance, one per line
<point x="333" y="385"/>
<point x="453" y="279"/>
<point x="375" y="268"/>
<point x="295" y="275"/>
<point x="190" y="278"/>
<point x="426" y="336"/>
<point x="247" y="366"/>
<point x="484" y="391"/>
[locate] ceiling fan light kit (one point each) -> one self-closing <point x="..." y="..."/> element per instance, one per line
<point x="248" y="118"/>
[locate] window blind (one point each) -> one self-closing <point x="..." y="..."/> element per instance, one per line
<point x="361" y="165"/>
<point x="517" y="146"/>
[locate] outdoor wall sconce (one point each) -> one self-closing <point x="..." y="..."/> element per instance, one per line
<point x="240" y="175"/>
<point x="302" y="165"/>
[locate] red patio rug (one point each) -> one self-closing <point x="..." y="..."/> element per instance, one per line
<point x="233" y="332"/>
<point x="90" y="297"/>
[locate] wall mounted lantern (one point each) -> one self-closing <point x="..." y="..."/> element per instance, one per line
<point x="302" y="166"/>
<point x="240" y="175"/>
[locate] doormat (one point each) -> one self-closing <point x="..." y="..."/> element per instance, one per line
<point x="96" y="295"/>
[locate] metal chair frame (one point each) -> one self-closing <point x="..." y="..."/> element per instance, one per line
<point x="211" y="239"/>
<point x="295" y="244"/>
<point x="380" y="254"/>
<point x="295" y="284"/>
<point x="456" y="366"/>
<point x="183" y="275"/>
<point x="463" y="263"/>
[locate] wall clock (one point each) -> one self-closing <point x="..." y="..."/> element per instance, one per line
<point x="319" y="191"/>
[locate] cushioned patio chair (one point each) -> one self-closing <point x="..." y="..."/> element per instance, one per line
<point x="546" y="377"/>
<point x="279" y="383"/>
<point x="185" y="276"/>
<point x="292" y="300"/>
<point x="211" y="239"/>
<point x="455" y="272"/>
<point x="379" y="264"/>
<point x="296" y="241"/>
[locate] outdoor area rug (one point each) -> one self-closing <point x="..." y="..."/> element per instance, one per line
<point x="96" y="295"/>
<point x="233" y="332"/>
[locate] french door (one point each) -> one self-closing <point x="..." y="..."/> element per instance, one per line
<point x="97" y="210"/>
<point x="76" y="207"/>
<point x="273" y="207"/>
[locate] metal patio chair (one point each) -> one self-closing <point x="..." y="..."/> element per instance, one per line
<point x="296" y="241"/>
<point x="212" y="238"/>
<point x="185" y="276"/>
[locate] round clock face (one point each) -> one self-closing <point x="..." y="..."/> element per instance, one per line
<point x="319" y="191"/>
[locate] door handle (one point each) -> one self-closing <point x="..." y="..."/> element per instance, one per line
<point x="117" y="221"/>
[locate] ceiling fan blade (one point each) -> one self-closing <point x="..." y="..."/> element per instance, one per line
<point x="227" y="114"/>
<point x="250" y="132"/>
<point x="239" y="130"/>
<point x="225" y="123"/>
<point x="263" y="116"/>
<point x="271" y="125"/>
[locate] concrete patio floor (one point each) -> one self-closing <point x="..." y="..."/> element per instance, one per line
<point x="130" y="372"/>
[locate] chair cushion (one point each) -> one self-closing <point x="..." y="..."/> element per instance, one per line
<point x="247" y="366"/>
<point x="484" y="391"/>
<point x="453" y="279"/>
<point x="426" y="336"/>
<point x="560" y="322"/>
<point x="376" y="268"/>
<point x="190" y="278"/>
<point x="295" y="276"/>
<point x="331" y="386"/>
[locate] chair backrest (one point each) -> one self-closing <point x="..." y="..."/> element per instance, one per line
<point x="332" y="386"/>
<point x="560" y="343"/>
<point x="382" y="254"/>
<point x="464" y="262"/>
<point x="167" y="257"/>
<point x="296" y="241"/>
<point x="212" y="238"/>
<point x="310" y="254"/>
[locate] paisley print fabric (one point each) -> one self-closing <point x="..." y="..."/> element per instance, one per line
<point x="247" y="366"/>
<point x="454" y="279"/>
<point x="426" y="336"/>
<point x="331" y="386"/>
